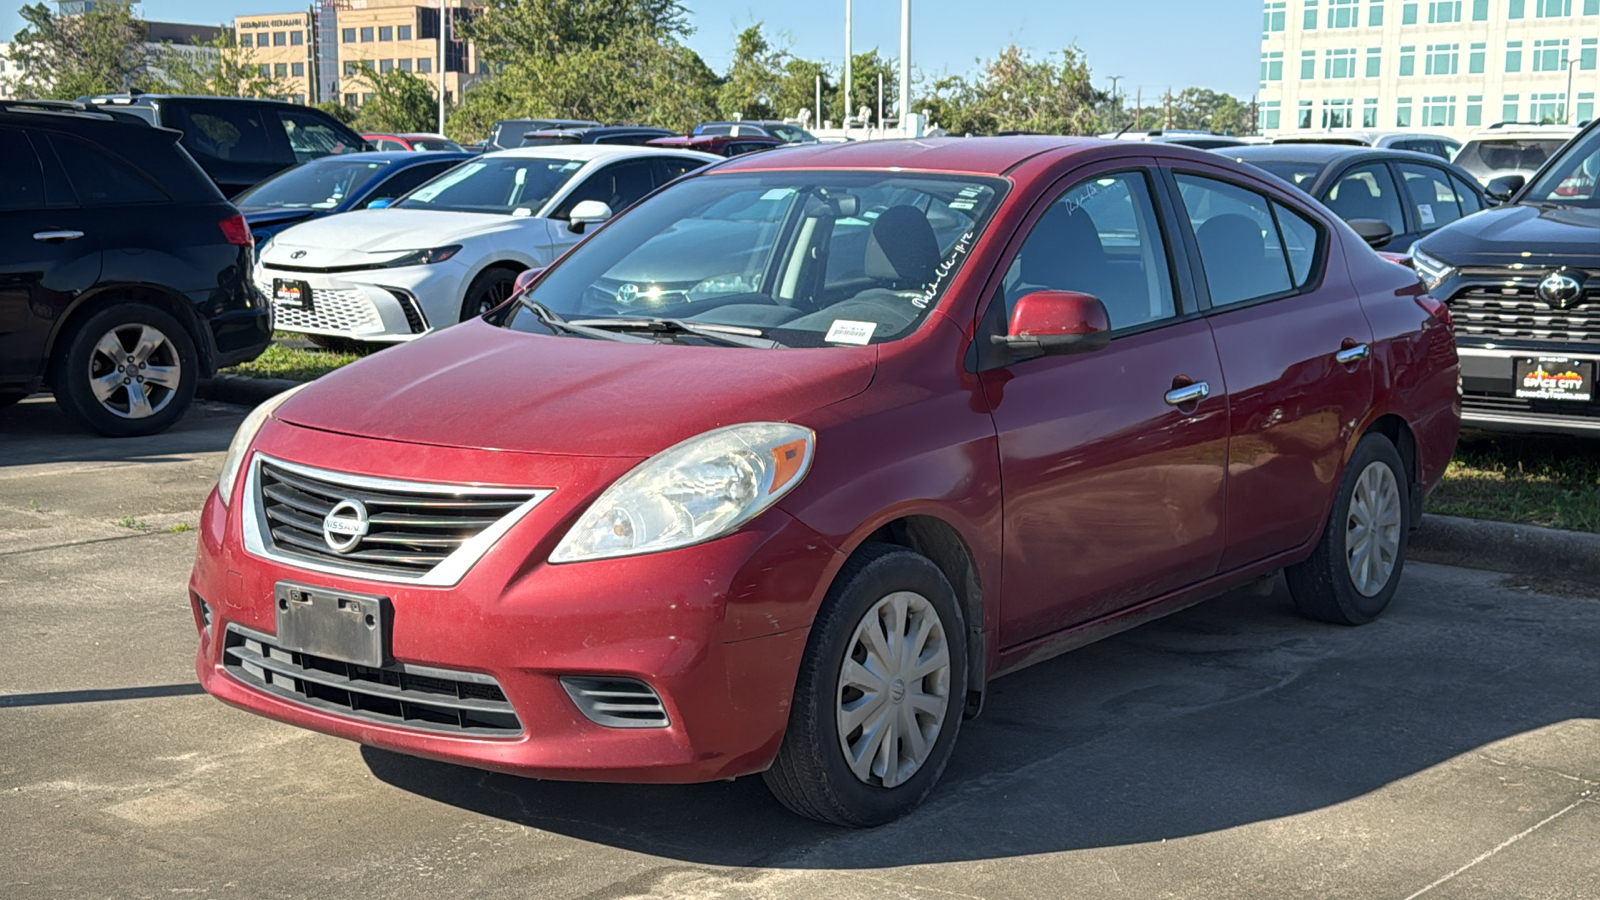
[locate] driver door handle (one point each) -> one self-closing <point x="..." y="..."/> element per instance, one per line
<point x="1353" y="354"/>
<point x="1189" y="393"/>
<point x="57" y="235"/>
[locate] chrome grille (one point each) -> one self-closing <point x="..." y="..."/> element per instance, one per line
<point x="1509" y="308"/>
<point x="416" y="697"/>
<point x="418" y="532"/>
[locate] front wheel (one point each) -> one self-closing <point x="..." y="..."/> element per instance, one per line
<point x="488" y="290"/>
<point x="879" y="696"/>
<point x="128" y="370"/>
<point x="1352" y="575"/>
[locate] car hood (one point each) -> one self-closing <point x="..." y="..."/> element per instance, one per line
<point x="1518" y="234"/>
<point x="352" y="237"/>
<point x="479" y="386"/>
<point x="276" y="217"/>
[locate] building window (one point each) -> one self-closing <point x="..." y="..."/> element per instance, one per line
<point x="1369" y="112"/>
<point x="264" y="70"/>
<point x="1443" y="11"/>
<point x="1585" y="106"/>
<point x="245" y="39"/>
<point x="1442" y="58"/>
<point x="366" y="35"/>
<point x="385" y="66"/>
<point x="1272" y="66"/>
<point x="300" y="99"/>
<point x="347" y="35"/>
<point x="1547" y="109"/>
<point x="1343" y="13"/>
<point x="280" y="39"/>
<point x="1475" y="59"/>
<point x="1438" y="112"/>
<point x="1308" y="65"/>
<point x="1309" y="21"/>
<point x="1513" y="9"/>
<point x="1402" y="113"/>
<point x="366" y="97"/>
<point x="1480" y="10"/>
<point x="424" y="64"/>
<point x="1513" y="56"/>
<point x="349" y="67"/>
<point x="1272" y="16"/>
<point x="1408" y="61"/>
<point x="1550" y="56"/>
<point x="1303" y="115"/>
<point x="1586" y="53"/>
<point x="280" y="70"/>
<point x="1337" y="113"/>
<point x="350" y="100"/>
<point x="297" y="38"/>
<point x="1408" y="13"/>
<point x="1340" y="64"/>
<point x="1269" y="115"/>
<point x="404" y="63"/>
<point x="1475" y="110"/>
<point x="1374" y="61"/>
<point x="404" y="31"/>
<point x="1508" y="107"/>
<point x="1551" y="9"/>
<point x="1375" y="13"/>
<point x="386" y="33"/>
<point x="298" y="70"/>
<point x="1591" y="7"/>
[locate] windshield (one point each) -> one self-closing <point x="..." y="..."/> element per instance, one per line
<point x="1488" y="159"/>
<point x="323" y="184"/>
<point x="434" y="144"/>
<point x="792" y="134"/>
<point x="1299" y="174"/>
<point x="808" y="258"/>
<point x="507" y="185"/>
<point x="1571" y="180"/>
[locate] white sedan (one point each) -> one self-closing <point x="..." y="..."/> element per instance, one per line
<point x="452" y="248"/>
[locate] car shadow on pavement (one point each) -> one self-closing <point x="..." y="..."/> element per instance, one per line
<point x="1234" y="712"/>
<point x="36" y="431"/>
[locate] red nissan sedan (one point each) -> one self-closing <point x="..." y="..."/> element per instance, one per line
<point x="776" y="471"/>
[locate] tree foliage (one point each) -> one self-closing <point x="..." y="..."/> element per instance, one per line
<point x="217" y="67"/>
<point x="64" y="57"/>
<point x="750" y="88"/>
<point x="1017" y="92"/>
<point x="396" y="102"/>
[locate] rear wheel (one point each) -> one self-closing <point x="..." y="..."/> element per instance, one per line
<point x="879" y="696"/>
<point x="128" y="370"/>
<point x="490" y="289"/>
<point x="1352" y="575"/>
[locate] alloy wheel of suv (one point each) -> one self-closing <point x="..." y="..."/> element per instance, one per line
<point x="128" y="370"/>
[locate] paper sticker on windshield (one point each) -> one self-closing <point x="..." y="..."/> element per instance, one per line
<point x="1425" y="213"/>
<point x="777" y="193"/>
<point x="434" y="188"/>
<point x="845" y="331"/>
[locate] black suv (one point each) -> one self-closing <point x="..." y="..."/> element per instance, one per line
<point x="630" y="135"/>
<point x="240" y="141"/>
<point x="124" y="274"/>
<point x="1522" y="281"/>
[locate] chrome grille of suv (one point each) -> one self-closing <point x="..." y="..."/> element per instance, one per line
<point x="416" y="532"/>
<point x="1507" y="307"/>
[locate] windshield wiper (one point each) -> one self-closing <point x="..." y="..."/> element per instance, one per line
<point x="736" y="335"/>
<point x="551" y="320"/>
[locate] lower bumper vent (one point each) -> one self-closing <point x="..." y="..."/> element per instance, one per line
<point x="405" y="696"/>
<point x="616" y="702"/>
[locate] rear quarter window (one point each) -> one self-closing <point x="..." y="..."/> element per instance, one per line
<point x="101" y="178"/>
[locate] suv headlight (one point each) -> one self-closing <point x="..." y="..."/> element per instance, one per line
<point x="1431" y="269"/>
<point x="243" y="438"/>
<point x="695" y="491"/>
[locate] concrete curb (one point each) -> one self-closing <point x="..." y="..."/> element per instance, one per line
<point x="1506" y="547"/>
<point x="242" y="389"/>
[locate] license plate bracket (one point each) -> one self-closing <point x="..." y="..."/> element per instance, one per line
<point x="291" y="294"/>
<point x="1561" y="378"/>
<point x="338" y="625"/>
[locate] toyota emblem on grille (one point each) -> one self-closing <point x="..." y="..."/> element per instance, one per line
<point x="298" y="254"/>
<point x="345" y="525"/>
<point x="1562" y="288"/>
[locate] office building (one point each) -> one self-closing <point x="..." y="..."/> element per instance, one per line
<point x="1446" y="66"/>
<point x="281" y="45"/>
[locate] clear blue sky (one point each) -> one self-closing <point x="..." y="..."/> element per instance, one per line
<point x="1152" y="44"/>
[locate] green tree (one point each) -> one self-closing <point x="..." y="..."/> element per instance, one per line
<point x="217" y="67"/>
<point x="398" y="102"/>
<point x="750" y="88"/>
<point x="339" y="111"/>
<point x="797" y="87"/>
<point x="64" y="57"/>
<point x="864" y="71"/>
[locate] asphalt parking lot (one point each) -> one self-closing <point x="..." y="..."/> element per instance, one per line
<point x="1451" y="750"/>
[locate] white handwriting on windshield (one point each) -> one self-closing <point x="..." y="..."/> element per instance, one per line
<point x="943" y="271"/>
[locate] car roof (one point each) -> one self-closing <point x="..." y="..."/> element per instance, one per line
<point x="588" y="152"/>
<point x="1309" y="151"/>
<point x="977" y="155"/>
<point x="135" y="99"/>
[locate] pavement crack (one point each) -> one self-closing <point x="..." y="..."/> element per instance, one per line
<point x="1584" y="798"/>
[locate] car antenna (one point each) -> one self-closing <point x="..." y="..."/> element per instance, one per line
<point x="1125" y="129"/>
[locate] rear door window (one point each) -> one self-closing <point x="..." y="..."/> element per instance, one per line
<point x="1433" y="199"/>
<point x="674" y="167"/>
<point x="618" y="186"/>
<point x="101" y="179"/>
<point x="1367" y="192"/>
<point x="1241" y="250"/>
<point x="311" y="137"/>
<point x="235" y="132"/>
<point x="23" y="185"/>
<point x="1468" y="196"/>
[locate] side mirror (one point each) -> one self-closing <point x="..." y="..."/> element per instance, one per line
<point x="586" y="212"/>
<point x="525" y="280"/>
<point x="1501" y="189"/>
<point x="1055" y="323"/>
<point x="381" y="203"/>
<point x="1373" y="231"/>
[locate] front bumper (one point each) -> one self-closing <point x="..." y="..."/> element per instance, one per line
<point x="717" y="631"/>
<point x="388" y="305"/>
<point x="1489" y="400"/>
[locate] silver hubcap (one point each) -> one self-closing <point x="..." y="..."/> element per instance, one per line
<point x="894" y="688"/>
<point x="1372" y="534"/>
<point x="134" y="371"/>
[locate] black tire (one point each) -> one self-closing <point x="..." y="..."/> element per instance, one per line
<point x="118" y="415"/>
<point x="810" y="775"/>
<point x="1323" y="586"/>
<point x="490" y="289"/>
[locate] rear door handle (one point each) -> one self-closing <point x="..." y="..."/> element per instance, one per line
<point x="1189" y="393"/>
<point x="1355" y="354"/>
<point x="57" y="235"/>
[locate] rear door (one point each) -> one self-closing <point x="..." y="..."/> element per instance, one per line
<point x="49" y="252"/>
<point x="238" y="144"/>
<point x="1431" y="196"/>
<point x="1282" y="314"/>
<point x="1368" y="191"/>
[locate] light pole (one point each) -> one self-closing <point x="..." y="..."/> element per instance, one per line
<point x="443" y="34"/>
<point x="1567" y="106"/>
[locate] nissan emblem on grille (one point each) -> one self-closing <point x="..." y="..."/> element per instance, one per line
<point x="345" y="525"/>
<point x="1562" y="288"/>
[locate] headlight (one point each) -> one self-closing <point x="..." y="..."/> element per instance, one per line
<point x="241" y="442"/>
<point x="1431" y="269"/>
<point x="422" y="257"/>
<point x="693" y="492"/>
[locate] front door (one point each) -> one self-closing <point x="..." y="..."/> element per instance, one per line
<point x="1113" y="480"/>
